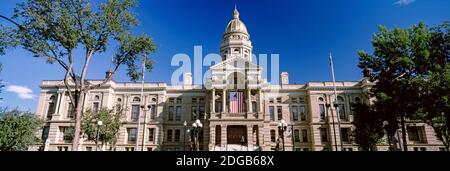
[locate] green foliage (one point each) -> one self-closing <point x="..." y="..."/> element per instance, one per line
<point x="368" y="126"/>
<point x="107" y="131"/>
<point x="17" y="130"/>
<point x="410" y="68"/>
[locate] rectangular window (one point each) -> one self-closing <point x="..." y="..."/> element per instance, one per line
<point x="272" y="135"/>
<point x="201" y="100"/>
<point x="253" y="106"/>
<point x="45" y="131"/>
<point x="296" y="135"/>
<point x="272" y="113"/>
<point x="149" y="149"/>
<point x="194" y="113"/>
<point x="172" y="100"/>
<point x="71" y="112"/>
<point x="218" y="107"/>
<point x="178" y="113"/>
<point x="294" y="111"/>
<point x="302" y="113"/>
<point x="441" y="148"/>
<point x="302" y="100"/>
<point x="345" y="135"/>
<point x="279" y="112"/>
<point x="179" y="100"/>
<point x="132" y="135"/>
<point x="66" y="133"/>
<point x="153" y="112"/>
<point x="171" y="113"/>
<point x="135" y="113"/>
<point x="323" y="135"/>
<point x="423" y="149"/>
<point x="151" y="134"/>
<point x="270" y="100"/>
<point x="88" y="148"/>
<point x="194" y="100"/>
<point x="322" y="111"/>
<point x="305" y="135"/>
<point x="177" y="135"/>
<point x="201" y="111"/>
<point x="293" y="100"/>
<point x="306" y="149"/>
<point x="95" y="107"/>
<point x="414" y="133"/>
<point x="279" y="100"/>
<point x="342" y="114"/>
<point x="51" y="110"/>
<point x="298" y="149"/>
<point x="169" y="135"/>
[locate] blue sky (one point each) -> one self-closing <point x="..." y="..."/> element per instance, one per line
<point x="302" y="32"/>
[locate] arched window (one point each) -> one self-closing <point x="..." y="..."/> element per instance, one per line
<point x="357" y="100"/>
<point x="52" y="98"/>
<point x="153" y="99"/>
<point x="96" y="97"/>
<point x="119" y="99"/>
<point x="321" y="99"/>
<point x="136" y="99"/>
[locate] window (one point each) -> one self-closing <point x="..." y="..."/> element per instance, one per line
<point x="201" y="100"/>
<point x="357" y="100"/>
<point x="95" y="107"/>
<point x="302" y="113"/>
<point x="177" y="135"/>
<point x="171" y="100"/>
<point x="415" y="134"/>
<point x="272" y="113"/>
<point x="296" y="135"/>
<point x="194" y="113"/>
<point x="63" y="148"/>
<point x="171" y="113"/>
<point x="345" y="134"/>
<point x="305" y="135"/>
<point x="326" y="149"/>
<point x="293" y="100"/>
<point x="51" y="110"/>
<point x="132" y="135"/>
<point x="294" y="111"/>
<point x="416" y="148"/>
<point x="96" y="97"/>
<point x="423" y="149"/>
<point x="149" y="149"/>
<point x="322" y="111"/>
<point x="88" y="148"/>
<point x="306" y="149"/>
<point x="151" y="134"/>
<point x="218" y="134"/>
<point x="129" y="148"/>
<point x="194" y="100"/>
<point x="153" y="112"/>
<point x="45" y="131"/>
<point x="179" y="100"/>
<point x="136" y="99"/>
<point x="135" y="113"/>
<point x="270" y="100"/>
<point x="302" y="100"/>
<point x="71" y="112"/>
<point x="279" y="112"/>
<point x="253" y="106"/>
<point x="321" y="99"/>
<point x="201" y="112"/>
<point x="298" y="149"/>
<point x="272" y="135"/>
<point x="441" y="148"/>
<point x="169" y="135"/>
<point x="279" y="100"/>
<point x="66" y="133"/>
<point x="218" y="106"/>
<point x="178" y="113"/>
<point x="323" y="135"/>
<point x="342" y="111"/>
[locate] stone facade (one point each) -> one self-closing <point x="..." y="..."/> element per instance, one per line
<point x="163" y="109"/>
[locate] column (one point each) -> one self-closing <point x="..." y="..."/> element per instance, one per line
<point x="249" y="104"/>
<point x="260" y="104"/>
<point x="224" y="135"/>
<point x="58" y="104"/>
<point x="213" y="99"/>
<point x="250" y="136"/>
<point x="224" y="101"/>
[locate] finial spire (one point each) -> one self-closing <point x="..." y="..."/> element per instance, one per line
<point x="236" y="12"/>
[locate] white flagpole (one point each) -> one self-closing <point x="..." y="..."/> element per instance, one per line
<point x="336" y="100"/>
<point x="142" y="107"/>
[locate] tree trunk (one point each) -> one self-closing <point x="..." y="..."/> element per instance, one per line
<point x="402" y="120"/>
<point x="79" y="111"/>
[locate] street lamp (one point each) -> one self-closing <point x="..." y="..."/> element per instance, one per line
<point x="385" y="124"/>
<point x="184" y="137"/>
<point x="190" y="139"/>
<point x="282" y="126"/>
<point x="99" y="123"/>
<point x="196" y="126"/>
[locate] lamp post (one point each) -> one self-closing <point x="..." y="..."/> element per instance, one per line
<point x="184" y="137"/>
<point x="282" y="126"/>
<point x="99" y="123"/>
<point x="188" y="131"/>
<point x="196" y="126"/>
<point x="385" y="124"/>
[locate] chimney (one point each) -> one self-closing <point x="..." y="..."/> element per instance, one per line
<point x="284" y="78"/>
<point x="187" y="78"/>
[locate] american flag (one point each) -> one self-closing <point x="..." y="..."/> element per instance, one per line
<point x="236" y="102"/>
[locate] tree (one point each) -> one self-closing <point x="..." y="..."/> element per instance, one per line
<point x="107" y="132"/>
<point x="368" y="126"/>
<point x="410" y="71"/>
<point x="17" y="130"/>
<point x="53" y="30"/>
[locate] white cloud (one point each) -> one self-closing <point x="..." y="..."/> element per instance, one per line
<point x="21" y="91"/>
<point x="404" y="2"/>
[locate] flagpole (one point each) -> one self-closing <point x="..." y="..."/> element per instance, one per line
<point x="142" y="107"/>
<point x="336" y="106"/>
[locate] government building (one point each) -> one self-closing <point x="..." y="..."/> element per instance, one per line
<point x="238" y="111"/>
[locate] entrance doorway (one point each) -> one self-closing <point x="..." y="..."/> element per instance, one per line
<point x="237" y="134"/>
